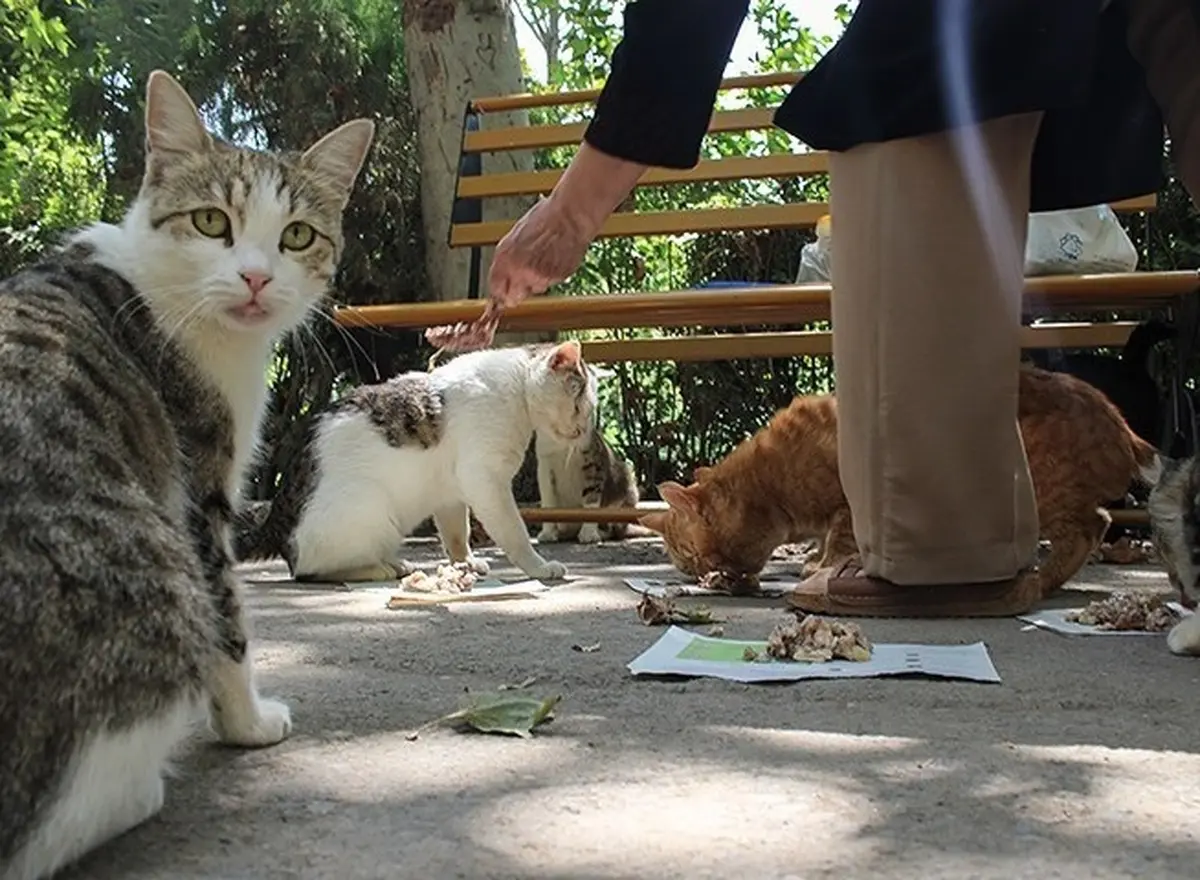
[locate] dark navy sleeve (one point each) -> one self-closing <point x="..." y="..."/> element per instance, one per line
<point x="658" y="98"/>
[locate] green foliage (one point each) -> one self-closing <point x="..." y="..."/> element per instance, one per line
<point x="49" y="172"/>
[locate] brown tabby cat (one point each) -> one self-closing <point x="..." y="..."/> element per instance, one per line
<point x="782" y="485"/>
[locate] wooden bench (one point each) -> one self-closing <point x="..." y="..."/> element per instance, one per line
<point x="1174" y="294"/>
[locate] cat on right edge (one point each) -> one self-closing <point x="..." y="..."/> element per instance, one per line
<point x="1175" y="528"/>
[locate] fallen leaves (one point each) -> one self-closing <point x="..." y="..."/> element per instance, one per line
<point x="653" y="611"/>
<point x="504" y="713"/>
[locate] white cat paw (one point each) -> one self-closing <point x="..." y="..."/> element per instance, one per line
<point x="1184" y="637"/>
<point x="271" y="724"/>
<point x="549" y="571"/>
<point x="589" y="534"/>
<point x="477" y="565"/>
<point x="548" y="535"/>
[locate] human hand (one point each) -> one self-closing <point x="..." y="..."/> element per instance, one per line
<point x="544" y="246"/>
<point x="548" y="243"/>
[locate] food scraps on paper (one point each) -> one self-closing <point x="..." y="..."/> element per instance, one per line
<point x="735" y="584"/>
<point x="457" y="577"/>
<point x="812" y="639"/>
<point x="1126" y="611"/>
<point x="1125" y="551"/>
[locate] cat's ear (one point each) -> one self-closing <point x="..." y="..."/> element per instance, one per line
<point x="173" y="125"/>
<point x="566" y="357"/>
<point x="339" y="156"/>
<point x="702" y="473"/>
<point x="655" y="522"/>
<point x="680" y="497"/>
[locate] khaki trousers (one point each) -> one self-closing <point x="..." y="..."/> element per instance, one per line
<point x="927" y="269"/>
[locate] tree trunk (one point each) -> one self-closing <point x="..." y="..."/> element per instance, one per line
<point x="456" y="50"/>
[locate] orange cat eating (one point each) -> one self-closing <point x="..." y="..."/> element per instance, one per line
<point x="781" y="485"/>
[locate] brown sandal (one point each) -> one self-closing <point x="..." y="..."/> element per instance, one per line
<point x="847" y="591"/>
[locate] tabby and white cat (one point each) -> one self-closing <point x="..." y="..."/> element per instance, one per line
<point x="583" y="473"/>
<point x="1174" y="509"/>
<point x="385" y="457"/>
<point x="131" y="388"/>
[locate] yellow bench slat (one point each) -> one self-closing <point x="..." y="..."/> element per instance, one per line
<point x="816" y="342"/>
<point x="780" y="304"/>
<point x="529" y="100"/>
<point x="533" y="137"/>
<point x="783" y="165"/>
<point x="797" y="215"/>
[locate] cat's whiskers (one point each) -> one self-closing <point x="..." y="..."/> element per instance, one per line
<point x="127" y="311"/>
<point x="187" y="315"/>
<point x="320" y="311"/>
<point x="306" y="328"/>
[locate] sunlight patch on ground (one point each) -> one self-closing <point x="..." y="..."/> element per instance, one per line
<point x="673" y="817"/>
<point x="386" y="767"/>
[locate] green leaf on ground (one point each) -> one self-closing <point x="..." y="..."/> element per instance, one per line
<point x="505" y="713"/>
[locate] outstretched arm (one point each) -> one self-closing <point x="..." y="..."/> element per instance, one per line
<point x="653" y="111"/>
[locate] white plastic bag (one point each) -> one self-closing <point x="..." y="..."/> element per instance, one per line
<point x="1078" y="241"/>
<point x="814" y="257"/>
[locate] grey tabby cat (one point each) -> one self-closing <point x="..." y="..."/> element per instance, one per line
<point x="584" y="472"/>
<point x="132" y="366"/>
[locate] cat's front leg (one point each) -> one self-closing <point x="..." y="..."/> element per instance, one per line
<point x="239" y="716"/>
<point x="589" y="533"/>
<point x="454" y="526"/>
<point x="547" y="497"/>
<point x="492" y="500"/>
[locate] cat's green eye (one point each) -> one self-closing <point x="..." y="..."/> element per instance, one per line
<point x="297" y="236"/>
<point x="212" y="222"/>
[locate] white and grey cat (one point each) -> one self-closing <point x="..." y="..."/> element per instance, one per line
<point x="583" y="472"/>
<point x="386" y="457"/>
<point x="132" y="365"/>
<point x="1174" y="508"/>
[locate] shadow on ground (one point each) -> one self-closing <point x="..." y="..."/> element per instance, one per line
<point x="1080" y="765"/>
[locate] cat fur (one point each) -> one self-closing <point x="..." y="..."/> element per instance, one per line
<point x="132" y="364"/>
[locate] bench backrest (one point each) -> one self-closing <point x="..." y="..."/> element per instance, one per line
<point x="472" y="188"/>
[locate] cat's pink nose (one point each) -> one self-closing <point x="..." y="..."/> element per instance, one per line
<point x="256" y="281"/>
